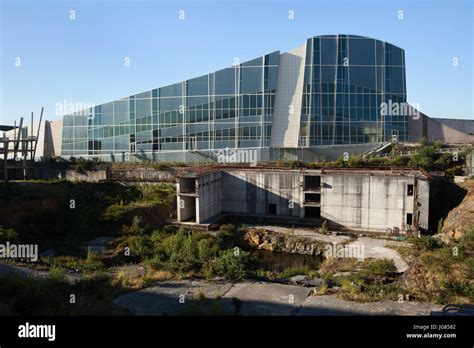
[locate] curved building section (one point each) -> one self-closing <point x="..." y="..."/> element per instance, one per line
<point x="346" y="80"/>
<point x="325" y="93"/>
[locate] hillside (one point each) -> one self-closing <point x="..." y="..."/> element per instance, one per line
<point x="461" y="218"/>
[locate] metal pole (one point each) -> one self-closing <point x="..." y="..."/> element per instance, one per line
<point x="25" y="155"/>
<point x="31" y="155"/>
<point x="5" y="157"/>
<point x="16" y="143"/>
<point x="37" y="133"/>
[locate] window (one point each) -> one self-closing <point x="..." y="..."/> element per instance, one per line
<point x="409" y="190"/>
<point x="409" y="219"/>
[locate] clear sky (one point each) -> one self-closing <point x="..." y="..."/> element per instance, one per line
<point x="48" y="58"/>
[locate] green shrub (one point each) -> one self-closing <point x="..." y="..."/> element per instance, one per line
<point x="115" y="212"/>
<point x="229" y="236"/>
<point x="8" y="235"/>
<point x="141" y="247"/>
<point x="383" y="267"/>
<point x="467" y="240"/>
<point x="470" y="265"/>
<point x="293" y="164"/>
<point x="57" y="274"/>
<point x="378" y="161"/>
<point x="92" y="264"/>
<point x="356" y="161"/>
<point x="231" y="266"/>
<point x="400" y="161"/>
<point x="425" y="243"/>
<point x="69" y="262"/>
<point x="454" y="287"/>
<point x="181" y="250"/>
<point x="292" y="271"/>
<point x="207" y="249"/>
<point x="439" y="260"/>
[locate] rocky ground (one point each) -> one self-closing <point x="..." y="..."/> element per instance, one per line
<point x="461" y="218"/>
<point x="254" y="298"/>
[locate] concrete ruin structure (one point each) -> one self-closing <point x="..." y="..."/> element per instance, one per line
<point x="392" y="200"/>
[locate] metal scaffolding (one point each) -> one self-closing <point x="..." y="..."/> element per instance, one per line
<point x="24" y="142"/>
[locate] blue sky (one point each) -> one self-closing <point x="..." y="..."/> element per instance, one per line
<point x="81" y="60"/>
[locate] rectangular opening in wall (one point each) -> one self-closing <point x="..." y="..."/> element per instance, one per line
<point x="187" y="207"/>
<point x="312" y="183"/>
<point x="272" y="209"/>
<point x="409" y="190"/>
<point x="312" y="198"/>
<point x="187" y="185"/>
<point x="409" y="219"/>
<point x="312" y="212"/>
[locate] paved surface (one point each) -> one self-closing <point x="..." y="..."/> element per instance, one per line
<point x="301" y="232"/>
<point x="377" y="249"/>
<point x="330" y="305"/>
<point x="163" y="298"/>
<point x="6" y="269"/>
<point x="259" y="298"/>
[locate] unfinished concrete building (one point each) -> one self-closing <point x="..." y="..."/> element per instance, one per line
<point x="392" y="200"/>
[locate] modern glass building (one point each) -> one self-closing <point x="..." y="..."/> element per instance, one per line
<point x="321" y="98"/>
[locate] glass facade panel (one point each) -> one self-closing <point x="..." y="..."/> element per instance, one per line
<point x="350" y="77"/>
<point x="208" y="112"/>
<point x="346" y="80"/>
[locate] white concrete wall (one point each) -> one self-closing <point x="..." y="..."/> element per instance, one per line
<point x="251" y="192"/>
<point x="288" y="98"/>
<point x="55" y="140"/>
<point x="209" y="202"/>
<point x="423" y="187"/>
<point x="354" y="200"/>
<point x="362" y="201"/>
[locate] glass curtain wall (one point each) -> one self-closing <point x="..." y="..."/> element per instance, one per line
<point x="230" y="108"/>
<point x="347" y="78"/>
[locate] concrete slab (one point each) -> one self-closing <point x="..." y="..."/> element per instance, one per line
<point x="163" y="298"/>
<point x="260" y="298"/>
<point x="330" y="305"/>
<point x="377" y="248"/>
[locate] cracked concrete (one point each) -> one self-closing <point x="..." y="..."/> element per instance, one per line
<point x="258" y="298"/>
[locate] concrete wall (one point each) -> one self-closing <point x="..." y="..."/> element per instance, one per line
<point x="143" y="174"/>
<point x="186" y="199"/>
<point x="53" y="138"/>
<point x="288" y="98"/>
<point x="186" y="209"/>
<point x="369" y="202"/>
<point x="209" y="202"/>
<point x="251" y="192"/>
<point x="89" y="175"/>
<point x="359" y="200"/>
<point x="423" y="188"/>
